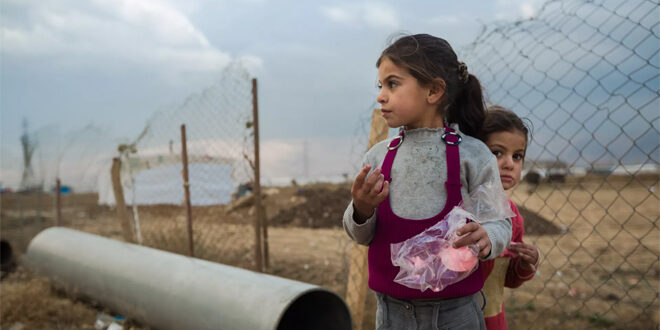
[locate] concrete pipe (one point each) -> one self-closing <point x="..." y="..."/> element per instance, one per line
<point x="7" y="263"/>
<point x="170" y="291"/>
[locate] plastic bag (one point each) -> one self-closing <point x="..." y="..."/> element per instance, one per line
<point x="428" y="260"/>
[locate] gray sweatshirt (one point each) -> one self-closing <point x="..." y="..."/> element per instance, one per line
<point x="419" y="172"/>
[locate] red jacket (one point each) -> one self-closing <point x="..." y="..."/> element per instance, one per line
<point x="506" y="272"/>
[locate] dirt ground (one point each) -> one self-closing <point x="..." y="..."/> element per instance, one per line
<point x="599" y="238"/>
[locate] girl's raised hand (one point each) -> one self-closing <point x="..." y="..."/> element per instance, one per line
<point x="368" y="192"/>
<point x="474" y="233"/>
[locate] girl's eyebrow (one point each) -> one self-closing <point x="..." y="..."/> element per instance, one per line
<point x="391" y="76"/>
<point x="497" y="145"/>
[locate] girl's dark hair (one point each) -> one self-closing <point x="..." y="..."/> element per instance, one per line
<point x="427" y="58"/>
<point x="500" y="119"/>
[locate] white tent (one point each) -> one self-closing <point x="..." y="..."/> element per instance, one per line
<point x="210" y="184"/>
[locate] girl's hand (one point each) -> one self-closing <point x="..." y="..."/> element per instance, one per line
<point x="367" y="194"/>
<point x="474" y="233"/>
<point x="528" y="253"/>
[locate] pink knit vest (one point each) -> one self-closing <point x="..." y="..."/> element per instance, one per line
<point x="391" y="228"/>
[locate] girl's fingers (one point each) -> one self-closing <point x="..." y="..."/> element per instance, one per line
<point x="484" y="248"/>
<point x="378" y="185"/>
<point x="515" y="248"/>
<point x="466" y="239"/>
<point x="383" y="193"/>
<point x="528" y="259"/>
<point x="467" y="228"/>
<point x="359" y="179"/>
<point x="371" y="180"/>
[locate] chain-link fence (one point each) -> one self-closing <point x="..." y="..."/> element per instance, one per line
<point x="220" y="157"/>
<point x="74" y="157"/>
<point x="587" y="75"/>
<point x="218" y="164"/>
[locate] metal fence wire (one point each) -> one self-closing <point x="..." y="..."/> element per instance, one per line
<point x="587" y="75"/>
<point x="220" y="153"/>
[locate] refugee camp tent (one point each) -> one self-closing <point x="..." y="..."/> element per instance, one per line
<point x="159" y="180"/>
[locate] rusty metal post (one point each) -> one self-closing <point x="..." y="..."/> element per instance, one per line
<point x="256" y="190"/>
<point x="58" y="202"/>
<point x="265" y="238"/>
<point x="186" y="189"/>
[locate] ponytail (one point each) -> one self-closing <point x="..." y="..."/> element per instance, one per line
<point x="468" y="108"/>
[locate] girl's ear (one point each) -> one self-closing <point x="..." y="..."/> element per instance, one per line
<point x="436" y="91"/>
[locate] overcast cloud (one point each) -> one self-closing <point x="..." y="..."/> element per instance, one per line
<point x="115" y="63"/>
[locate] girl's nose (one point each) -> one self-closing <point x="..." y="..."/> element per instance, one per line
<point x="508" y="162"/>
<point x="381" y="98"/>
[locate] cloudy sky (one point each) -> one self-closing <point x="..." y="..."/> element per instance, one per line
<point x="69" y="64"/>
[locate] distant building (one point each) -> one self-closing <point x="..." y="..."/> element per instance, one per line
<point x="545" y="170"/>
<point x="634" y="169"/>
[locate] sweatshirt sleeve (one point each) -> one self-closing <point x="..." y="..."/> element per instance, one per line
<point x="482" y="169"/>
<point x="499" y="233"/>
<point x="360" y="233"/>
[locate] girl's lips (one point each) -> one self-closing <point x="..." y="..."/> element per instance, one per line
<point x="506" y="178"/>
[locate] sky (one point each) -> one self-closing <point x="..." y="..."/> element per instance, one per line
<point x="69" y="65"/>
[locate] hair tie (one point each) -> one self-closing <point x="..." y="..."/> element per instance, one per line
<point x="463" y="73"/>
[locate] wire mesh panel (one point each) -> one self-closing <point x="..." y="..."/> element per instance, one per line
<point x="220" y="151"/>
<point x="75" y="157"/>
<point x="586" y="74"/>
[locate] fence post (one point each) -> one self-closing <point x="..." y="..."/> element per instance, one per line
<point x="256" y="190"/>
<point x="186" y="189"/>
<point x="58" y="202"/>
<point x="120" y="203"/>
<point x="358" y="272"/>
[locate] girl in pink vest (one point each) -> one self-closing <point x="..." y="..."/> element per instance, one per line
<point x="412" y="181"/>
<point x="505" y="134"/>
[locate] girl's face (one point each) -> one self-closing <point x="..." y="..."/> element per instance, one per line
<point x="404" y="102"/>
<point x="509" y="148"/>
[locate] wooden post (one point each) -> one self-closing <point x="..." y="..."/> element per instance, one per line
<point x="186" y="190"/>
<point x="256" y="190"/>
<point x="265" y="238"/>
<point x="120" y="203"/>
<point x="58" y="202"/>
<point x="358" y="272"/>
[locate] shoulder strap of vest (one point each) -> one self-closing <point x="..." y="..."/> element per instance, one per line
<point x="392" y="148"/>
<point x="453" y="183"/>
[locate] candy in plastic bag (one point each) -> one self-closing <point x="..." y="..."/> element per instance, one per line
<point x="429" y="261"/>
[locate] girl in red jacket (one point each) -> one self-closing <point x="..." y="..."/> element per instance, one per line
<point x="506" y="134"/>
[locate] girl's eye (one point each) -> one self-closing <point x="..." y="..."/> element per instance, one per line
<point x="379" y="85"/>
<point x="497" y="153"/>
<point x="518" y="156"/>
<point x="392" y="84"/>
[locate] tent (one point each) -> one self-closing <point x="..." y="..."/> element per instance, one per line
<point x="210" y="184"/>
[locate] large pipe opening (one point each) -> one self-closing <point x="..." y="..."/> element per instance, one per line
<point x="316" y="310"/>
<point x="6" y="258"/>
